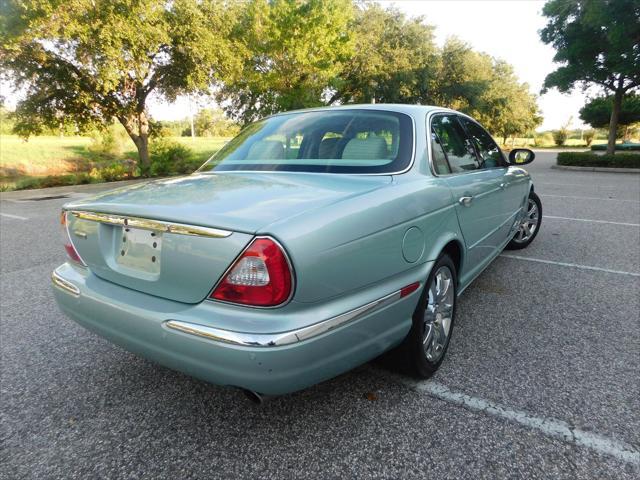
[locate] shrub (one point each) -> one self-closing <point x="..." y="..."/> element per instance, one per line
<point x="109" y="142"/>
<point x="543" y="140"/>
<point x="115" y="171"/>
<point x="170" y="158"/>
<point x="560" y="136"/>
<point x="589" y="136"/>
<point x="588" y="159"/>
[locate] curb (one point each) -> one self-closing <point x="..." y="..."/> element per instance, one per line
<point x="67" y="189"/>
<point x="597" y="169"/>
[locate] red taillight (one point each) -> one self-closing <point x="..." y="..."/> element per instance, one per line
<point x="68" y="245"/>
<point x="260" y="277"/>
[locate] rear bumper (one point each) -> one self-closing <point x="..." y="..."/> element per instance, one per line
<point x="173" y="334"/>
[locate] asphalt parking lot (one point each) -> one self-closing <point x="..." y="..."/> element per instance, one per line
<point x="541" y="379"/>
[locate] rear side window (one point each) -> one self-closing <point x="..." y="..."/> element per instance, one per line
<point x="487" y="148"/>
<point x="456" y="145"/>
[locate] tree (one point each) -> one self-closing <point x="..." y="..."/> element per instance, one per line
<point x="394" y="60"/>
<point x="295" y="51"/>
<point x="213" y="123"/>
<point x="93" y="61"/>
<point x="597" y="43"/>
<point x="485" y="88"/>
<point x="597" y="112"/>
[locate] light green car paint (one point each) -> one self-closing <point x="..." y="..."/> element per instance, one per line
<point x="351" y="239"/>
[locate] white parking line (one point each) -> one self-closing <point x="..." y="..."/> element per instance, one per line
<point x="548" y="426"/>
<point x="17" y="217"/>
<point x="573" y="265"/>
<point x="593" y="221"/>
<point x="573" y="185"/>
<point x="590" y="198"/>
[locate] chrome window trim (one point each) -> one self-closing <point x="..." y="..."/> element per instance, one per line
<point x="284" y="338"/>
<point x="65" y="285"/>
<point x="149" y="224"/>
<point x="238" y="257"/>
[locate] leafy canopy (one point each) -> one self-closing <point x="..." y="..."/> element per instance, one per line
<point x="485" y="88"/>
<point x="394" y="59"/>
<point x="296" y="49"/>
<point x="597" y="111"/>
<point x="95" y="60"/>
<point x="596" y="42"/>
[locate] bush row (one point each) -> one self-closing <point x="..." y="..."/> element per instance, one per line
<point x="166" y="157"/>
<point x="619" y="146"/>
<point x="587" y="159"/>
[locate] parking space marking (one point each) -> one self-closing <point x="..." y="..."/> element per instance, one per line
<point x="590" y="198"/>
<point x="548" y="426"/>
<point x="593" y="221"/>
<point x="573" y="185"/>
<point x="572" y="265"/>
<point x="17" y="217"/>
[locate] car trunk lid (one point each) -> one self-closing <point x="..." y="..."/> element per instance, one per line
<point x="175" y="238"/>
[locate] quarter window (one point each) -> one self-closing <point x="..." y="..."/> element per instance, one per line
<point x="455" y="144"/>
<point x="439" y="158"/>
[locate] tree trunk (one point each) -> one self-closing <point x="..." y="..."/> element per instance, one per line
<point x="144" y="163"/>
<point x="137" y="127"/>
<point x="613" y="123"/>
<point x="143" y="149"/>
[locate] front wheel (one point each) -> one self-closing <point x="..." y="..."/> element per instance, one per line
<point x="429" y="337"/>
<point x="529" y="225"/>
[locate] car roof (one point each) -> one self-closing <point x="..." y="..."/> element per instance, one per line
<point x="408" y="109"/>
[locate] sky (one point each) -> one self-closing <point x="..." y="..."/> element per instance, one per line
<point x="501" y="28"/>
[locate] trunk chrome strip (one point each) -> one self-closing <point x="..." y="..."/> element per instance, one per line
<point x="68" y="287"/>
<point x="155" y="225"/>
<point x="284" y="338"/>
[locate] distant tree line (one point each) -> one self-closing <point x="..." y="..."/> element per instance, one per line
<point x="87" y="63"/>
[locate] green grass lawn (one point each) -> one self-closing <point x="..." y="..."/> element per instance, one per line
<point x="43" y="156"/>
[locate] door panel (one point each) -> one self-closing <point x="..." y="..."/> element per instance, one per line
<point x="482" y="217"/>
<point x="480" y="192"/>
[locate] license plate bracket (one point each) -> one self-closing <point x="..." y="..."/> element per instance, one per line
<point x="139" y="249"/>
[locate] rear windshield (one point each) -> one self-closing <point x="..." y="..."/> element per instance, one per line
<point x="341" y="141"/>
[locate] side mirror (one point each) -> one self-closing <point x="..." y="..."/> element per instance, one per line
<point x="521" y="156"/>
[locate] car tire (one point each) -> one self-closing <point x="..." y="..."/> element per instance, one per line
<point x="532" y="220"/>
<point x="427" y="343"/>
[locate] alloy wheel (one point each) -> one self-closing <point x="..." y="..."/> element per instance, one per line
<point x="439" y="314"/>
<point x="528" y="224"/>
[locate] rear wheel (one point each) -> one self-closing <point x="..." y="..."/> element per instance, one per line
<point x="429" y="337"/>
<point x="529" y="225"/>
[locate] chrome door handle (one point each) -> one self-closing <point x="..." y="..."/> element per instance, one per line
<point x="465" y="201"/>
<point x="503" y="186"/>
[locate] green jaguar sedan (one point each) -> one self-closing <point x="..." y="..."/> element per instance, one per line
<point x="311" y="243"/>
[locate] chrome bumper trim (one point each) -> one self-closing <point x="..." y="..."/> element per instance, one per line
<point x="284" y="338"/>
<point x="68" y="287"/>
<point x="155" y="225"/>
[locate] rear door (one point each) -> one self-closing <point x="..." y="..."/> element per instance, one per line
<point x="476" y="189"/>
